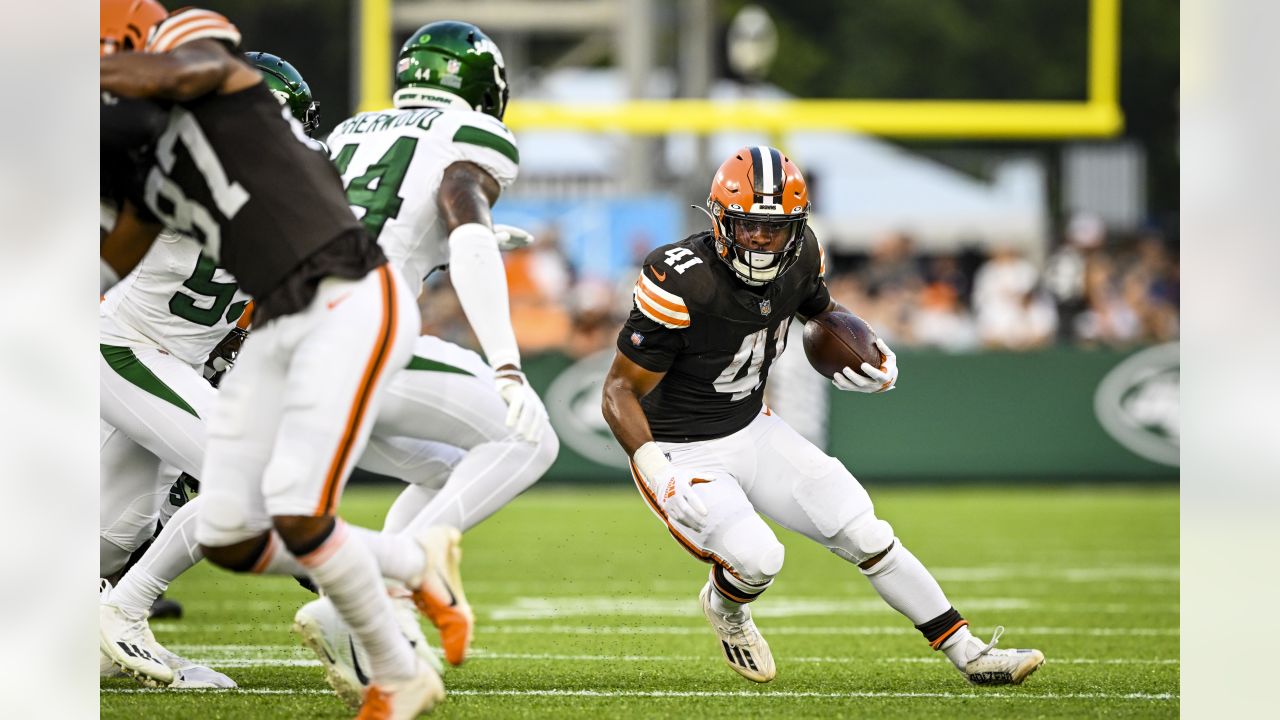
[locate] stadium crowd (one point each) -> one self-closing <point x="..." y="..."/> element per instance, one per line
<point x="1093" y="289"/>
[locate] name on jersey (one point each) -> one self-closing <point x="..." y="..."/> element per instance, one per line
<point x="377" y="122"/>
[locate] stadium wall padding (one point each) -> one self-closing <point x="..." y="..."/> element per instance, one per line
<point x="1059" y="414"/>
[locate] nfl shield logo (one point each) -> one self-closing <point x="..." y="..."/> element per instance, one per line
<point x="636" y="339"/>
<point x="765" y="308"/>
<point x="453" y="66"/>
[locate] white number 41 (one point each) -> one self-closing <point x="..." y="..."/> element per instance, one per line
<point x="675" y="255"/>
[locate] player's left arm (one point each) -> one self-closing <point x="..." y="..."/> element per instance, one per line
<point x="187" y="55"/>
<point x="467" y="192"/>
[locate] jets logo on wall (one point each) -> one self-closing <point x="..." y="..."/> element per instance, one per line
<point x="1137" y="403"/>
<point x="573" y="403"/>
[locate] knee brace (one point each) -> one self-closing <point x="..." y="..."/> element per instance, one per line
<point x="862" y="539"/>
<point x="222" y="521"/>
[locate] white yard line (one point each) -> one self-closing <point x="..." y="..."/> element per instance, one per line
<point x="550" y="608"/>
<point x="251" y="662"/>
<point x="551" y="629"/>
<point x="778" y="695"/>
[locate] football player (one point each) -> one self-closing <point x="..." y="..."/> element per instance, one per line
<point x="422" y="176"/>
<point x="332" y="322"/>
<point x="683" y="398"/>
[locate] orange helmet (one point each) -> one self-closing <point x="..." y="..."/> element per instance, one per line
<point x="758" y="189"/>
<point x="126" y="24"/>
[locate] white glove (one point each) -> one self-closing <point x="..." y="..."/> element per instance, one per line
<point x="511" y="237"/>
<point x="673" y="487"/>
<point x="525" y="411"/>
<point x="881" y="379"/>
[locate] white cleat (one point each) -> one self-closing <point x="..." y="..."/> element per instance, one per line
<point x="107" y="667"/>
<point x="323" y="631"/>
<point x="743" y="646"/>
<point x="345" y="662"/>
<point x="129" y="643"/>
<point x="439" y="593"/>
<point x="1002" y="667"/>
<point x="188" y="675"/>
<point x="403" y="699"/>
<point x="408" y="618"/>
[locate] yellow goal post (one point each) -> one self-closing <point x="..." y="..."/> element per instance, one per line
<point x="1098" y="115"/>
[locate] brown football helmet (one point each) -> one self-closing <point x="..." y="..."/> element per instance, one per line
<point x="759" y="207"/>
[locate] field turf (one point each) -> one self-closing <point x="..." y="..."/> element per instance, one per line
<point x="587" y="608"/>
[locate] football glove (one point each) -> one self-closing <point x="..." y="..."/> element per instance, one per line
<point x="876" y="380"/>
<point x="224" y="356"/>
<point x="525" y="411"/>
<point x="672" y="486"/>
<point x="511" y="237"/>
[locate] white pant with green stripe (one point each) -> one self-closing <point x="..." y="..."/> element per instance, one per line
<point x="153" y="410"/>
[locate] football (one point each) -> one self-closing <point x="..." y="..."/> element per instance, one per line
<point x="836" y="340"/>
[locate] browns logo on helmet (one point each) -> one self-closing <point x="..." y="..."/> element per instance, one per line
<point x="125" y="24"/>
<point x="759" y="207"/>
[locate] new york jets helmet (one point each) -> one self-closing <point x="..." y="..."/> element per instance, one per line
<point x="286" y="83"/>
<point x="451" y="63"/>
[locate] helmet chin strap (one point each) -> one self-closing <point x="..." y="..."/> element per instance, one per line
<point x="415" y="97"/>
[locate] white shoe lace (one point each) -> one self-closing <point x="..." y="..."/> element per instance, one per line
<point x="995" y="638"/>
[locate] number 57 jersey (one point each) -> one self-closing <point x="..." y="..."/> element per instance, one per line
<point x="176" y="299"/>
<point x="392" y="163"/>
<point x="714" y="336"/>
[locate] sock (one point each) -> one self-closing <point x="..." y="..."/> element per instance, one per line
<point x="949" y="632"/>
<point x="174" y="551"/>
<point x="907" y="586"/>
<point x="399" y="556"/>
<point x="347" y="572"/>
<point x="277" y="560"/>
<point x="962" y="647"/>
<point x="731" y="593"/>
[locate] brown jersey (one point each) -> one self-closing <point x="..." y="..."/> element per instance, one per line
<point x="713" y="335"/>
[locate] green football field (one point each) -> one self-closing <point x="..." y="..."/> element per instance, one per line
<point x="587" y="608"/>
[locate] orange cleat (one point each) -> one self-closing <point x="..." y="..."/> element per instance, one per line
<point x="439" y="595"/>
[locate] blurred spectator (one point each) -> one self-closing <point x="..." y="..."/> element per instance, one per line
<point x="1012" y="312"/>
<point x="892" y="266"/>
<point x="1064" y="274"/>
<point x="594" y="324"/>
<point x="539" y="278"/>
<point x="941" y="321"/>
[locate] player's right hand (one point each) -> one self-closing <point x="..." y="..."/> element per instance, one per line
<point x="679" y="499"/>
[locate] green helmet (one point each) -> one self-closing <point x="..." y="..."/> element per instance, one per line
<point x="286" y="83"/>
<point x="450" y="60"/>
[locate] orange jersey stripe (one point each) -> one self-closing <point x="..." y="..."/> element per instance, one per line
<point x="642" y="300"/>
<point x="655" y="300"/>
<point x="373" y="369"/>
<point x="187" y="25"/>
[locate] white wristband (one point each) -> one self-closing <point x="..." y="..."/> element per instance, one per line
<point x="652" y="463"/>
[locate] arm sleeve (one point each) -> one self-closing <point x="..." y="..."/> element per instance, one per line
<point x="480" y="280"/>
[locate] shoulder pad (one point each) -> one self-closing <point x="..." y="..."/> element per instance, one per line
<point x="661" y="306"/>
<point x="190" y="24"/>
